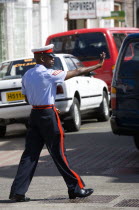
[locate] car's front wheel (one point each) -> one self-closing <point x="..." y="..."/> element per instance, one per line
<point x="74" y="123"/>
<point x="103" y="113"/>
<point x="2" y="130"/>
<point x="136" y="141"/>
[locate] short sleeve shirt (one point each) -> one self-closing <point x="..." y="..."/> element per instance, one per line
<point x="39" y="84"/>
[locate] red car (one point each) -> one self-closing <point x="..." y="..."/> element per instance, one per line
<point x="88" y="44"/>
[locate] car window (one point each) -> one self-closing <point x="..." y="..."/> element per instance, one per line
<point x="16" y="69"/>
<point x="71" y="66"/>
<point x="57" y="64"/>
<point x="130" y="62"/>
<point x="77" y="62"/>
<point x="21" y="66"/>
<point x="118" y="38"/>
<point x="86" y="46"/>
<point x="129" y="52"/>
<point x="4" y="69"/>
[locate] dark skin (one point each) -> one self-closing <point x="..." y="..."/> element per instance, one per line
<point x="48" y="62"/>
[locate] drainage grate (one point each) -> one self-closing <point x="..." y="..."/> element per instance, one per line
<point x="128" y="203"/>
<point x="90" y="199"/>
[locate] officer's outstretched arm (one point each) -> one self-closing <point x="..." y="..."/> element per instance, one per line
<point x="85" y="70"/>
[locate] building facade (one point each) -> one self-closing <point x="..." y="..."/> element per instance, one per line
<point x="25" y="24"/>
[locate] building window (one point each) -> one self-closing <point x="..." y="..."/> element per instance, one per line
<point x="72" y="24"/>
<point x="77" y="24"/>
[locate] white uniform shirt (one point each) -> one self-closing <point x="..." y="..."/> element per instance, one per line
<point x="39" y="84"/>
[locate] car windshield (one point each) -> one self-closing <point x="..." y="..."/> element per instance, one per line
<point x="15" y="69"/>
<point x="85" y="46"/>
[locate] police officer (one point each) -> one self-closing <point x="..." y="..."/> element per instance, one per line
<point x="39" y="87"/>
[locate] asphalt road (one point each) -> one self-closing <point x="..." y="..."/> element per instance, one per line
<point x="107" y="163"/>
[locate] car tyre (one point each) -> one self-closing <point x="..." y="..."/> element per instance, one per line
<point x="2" y="130"/>
<point x="103" y="112"/>
<point x="136" y="141"/>
<point x="74" y="123"/>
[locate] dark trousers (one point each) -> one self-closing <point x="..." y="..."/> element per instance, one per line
<point x="45" y="128"/>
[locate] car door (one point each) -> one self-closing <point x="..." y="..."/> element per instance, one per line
<point x="127" y="83"/>
<point x="80" y="83"/>
<point x="94" y="86"/>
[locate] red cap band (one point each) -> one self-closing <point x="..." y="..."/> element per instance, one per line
<point x="45" y="51"/>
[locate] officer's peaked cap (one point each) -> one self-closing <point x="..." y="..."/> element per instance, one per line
<point x="48" y="49"/>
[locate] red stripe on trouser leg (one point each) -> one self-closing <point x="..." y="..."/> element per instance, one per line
<point x="81" y="185"/>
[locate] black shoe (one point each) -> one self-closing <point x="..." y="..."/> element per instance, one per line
<point x="18" y="198"/>
<point x="81" y="193"/>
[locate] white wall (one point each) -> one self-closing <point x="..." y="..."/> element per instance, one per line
<point x="27" y="25"/>
<point x="18" y="30"/>
<point x="57" y="16"/>
<point x="41" y="23"/>
<point x="45" y="20"/>
<point x="9" y="42"/>
<point x="92" y="23"/>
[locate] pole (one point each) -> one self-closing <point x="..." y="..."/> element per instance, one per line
<point x="126" y="25"/>
<point x="135" y="13"/>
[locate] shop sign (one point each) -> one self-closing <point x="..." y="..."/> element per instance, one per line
<point x="82" y="9"/>
<point x="116" y="15"/>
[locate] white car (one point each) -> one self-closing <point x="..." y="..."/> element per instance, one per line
<point x="75" y="96"/>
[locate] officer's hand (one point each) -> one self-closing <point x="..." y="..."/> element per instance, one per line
<point x="102" y="57"/>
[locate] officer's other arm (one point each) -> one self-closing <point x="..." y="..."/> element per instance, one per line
<point x="85" y="70"/>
